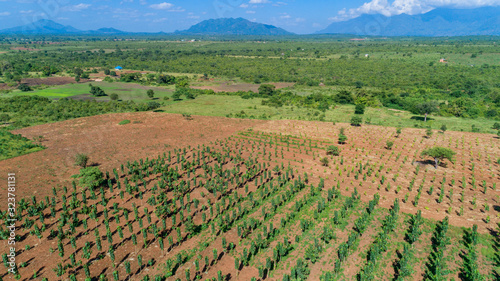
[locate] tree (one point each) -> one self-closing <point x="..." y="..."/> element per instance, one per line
<point x="360" y="109"/>
<point x="267" y="89"/>
<point x="4" y="118"/>
<point x="356" y="120"/>
<point x="496" y="126"/>
<point x="324" y="161"/>
<point x="398" y="132"/>
<point x="342" y="138"/>
<point x="426" y="108"/>
<point x="443" y="128"/>
<point x="332" y="150"/>
<point x="81" y="160"/>
<point x="389" y="144"/>
<point x="152" y="105"/>
<point x="344" y="97"/>
<point x="429" y="132"/>
<point x="107" y="71"/>
<point x="24" y="87"/>
<point x="113" y="96"/>
<point x="91" y="177"/>
<point x="150" y="93"/>
<point x="439" y="154"/>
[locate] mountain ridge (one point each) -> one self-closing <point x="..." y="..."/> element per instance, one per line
<point x="233" y="26"/>
<point x="438" y="22"/>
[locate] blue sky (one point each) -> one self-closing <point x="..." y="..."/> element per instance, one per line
<point x="299" y="16"/>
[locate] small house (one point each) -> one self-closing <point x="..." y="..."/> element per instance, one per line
<point x="443" y="61"/>
<point x="118" y="68"/>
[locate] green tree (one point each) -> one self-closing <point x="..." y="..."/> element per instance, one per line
<point x="356" y="120"/>
<point x="24" y="87"/>
<point x="333" y="150"/>
<point x="342" y="138"/>
<point x="267" y="89"/>
<point x="91" y="177"/>
<point x="4" y="118"/>
<point x="360" y="109"/>
<point x="324" y="161"/>
<point x="425" y="108"/>
<point x="439" y="154"/>
<point x="429" y="132"/>
<point x="344" y="97"/>
<point x="389" y="144"/>
<point x="398" y="132"/>
<point x="113" y="96"/>
<point x="443" y="128"/>
<point x="150" y="93"/>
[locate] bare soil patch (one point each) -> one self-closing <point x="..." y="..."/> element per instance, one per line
<point x="230" y="87"/>
<point x="51" y="81"/>
<point x="108" y="144"/>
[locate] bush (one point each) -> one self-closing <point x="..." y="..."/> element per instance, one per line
<point x="356" y="120"/>
<point x="324" y="161"/>
<point x="342" y="138"/>
<point x="333" y="150"/>
<point x="389" y="144"/>
<point x="429" y="132"/>
<point x="443" y="128"/>
<point x="152" y="105"/>
<point x="24" y="88"/>
<point x="4" y="117"/>
<point x="113" y="96"/>
<point x="360" y="109"/>
<point x="124" y="122"/>
<point x="81" y="160"/>
<point x="91" y="177"/>
<point x="398" y="132"/>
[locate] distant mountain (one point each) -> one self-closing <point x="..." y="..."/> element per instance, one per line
<point x="231" y="26"/>
<point x="41" y="27"/>
<point x="50" y="27"/>
<point x="438" y="22"/>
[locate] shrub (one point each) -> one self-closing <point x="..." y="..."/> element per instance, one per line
<point x="429" y="132"/>
<point x="24" y="88"/>
<point x="4" y="117"/>
<point x="124" y="122"/>
<point x="360" y="109"/>
<point x="389" y="144"/>
<point x="398" y="132"/>
<point x="443" y="128"/>
<point x="91" y="177"/>
<point x="356" y="120"/>
<point x="342" y="138"/>
<point x="333" y="150"/>
<point x="113" y="96"/>
<point x="324" y="161"/>
<point x="81" y="160"/>
<point x="152" y="105"/>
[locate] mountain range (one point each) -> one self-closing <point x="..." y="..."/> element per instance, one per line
<point x="438" y="22"/>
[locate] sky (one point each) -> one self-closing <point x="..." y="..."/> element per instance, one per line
<point x="299" y="16"/>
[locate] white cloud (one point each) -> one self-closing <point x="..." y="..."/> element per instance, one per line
<point x="300" y="20"/>
<point x="160" y="20"/>
<point x="410" y="7"/>
<point x="285" y="16"/>
<point x="279" y="4"/>
<point x="76" y="8"/>
<point x="3" y="14"/>
<point x="162" y="6"/>
<point x="250" y="12"/>
<point x="258" y="1"/>
<point x="26" y="12"/>
<point x="244" y="6"/>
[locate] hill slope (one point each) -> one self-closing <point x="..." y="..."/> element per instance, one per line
<point x="438" y="22"/>
<point x="231" y="26"/>
<point x="44" y="26"/>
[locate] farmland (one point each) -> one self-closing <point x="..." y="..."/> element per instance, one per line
<point x="258" y="203"/>
<point x="291" y="159"/>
